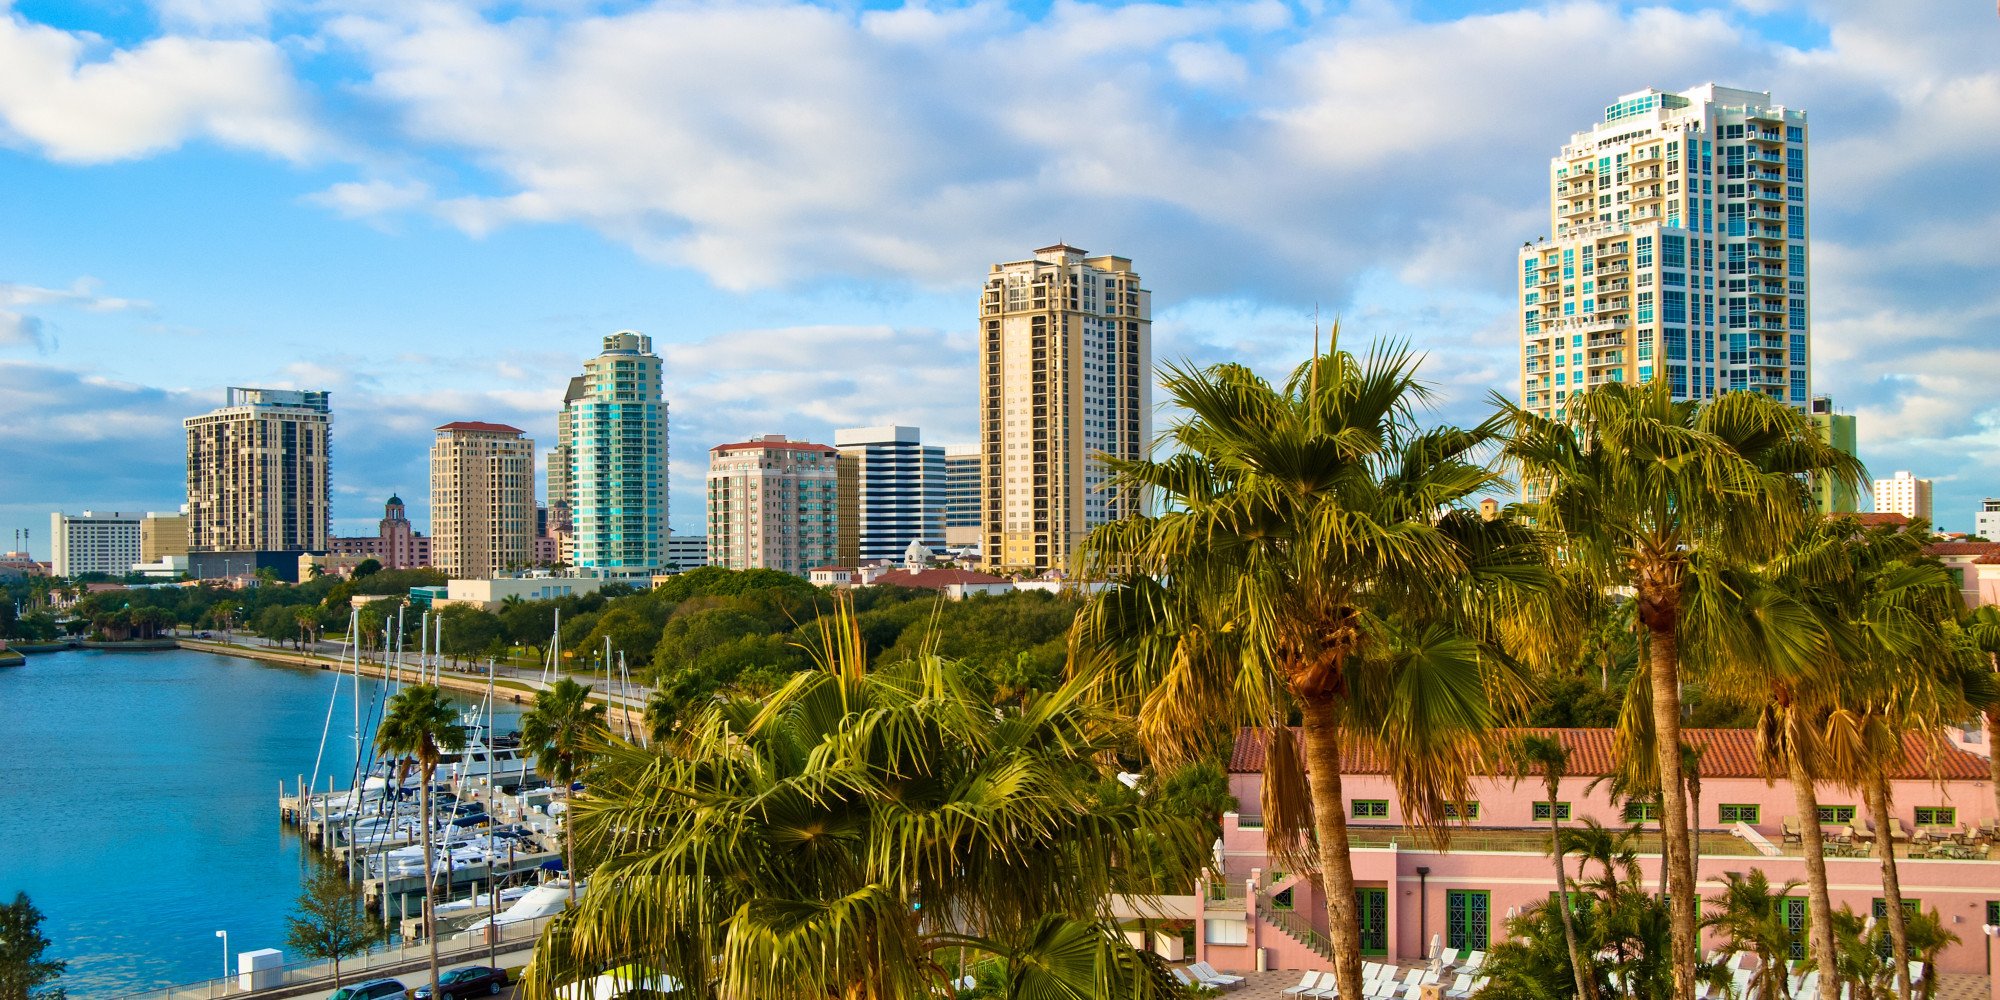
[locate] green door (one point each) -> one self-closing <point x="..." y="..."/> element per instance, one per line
<point x="1467" y="918"/>
<point x="1374" y="907"/>
<point x="1795" y="923"/>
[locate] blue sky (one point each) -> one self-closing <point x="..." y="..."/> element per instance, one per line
<point x="434" y="209"/>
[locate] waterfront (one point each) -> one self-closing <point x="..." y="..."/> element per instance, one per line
<point x="139" y="796"/>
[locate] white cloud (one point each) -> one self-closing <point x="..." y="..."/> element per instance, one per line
<point x="57" y="97"/>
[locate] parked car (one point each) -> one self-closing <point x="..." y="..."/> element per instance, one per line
<point x="374" y="989"/>
<point x="471" y="981"/>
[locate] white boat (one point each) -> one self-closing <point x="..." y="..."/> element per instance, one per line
<point x="479" y="903"/>
<point x="545" y="900"/>
<point x="498" y="759"/>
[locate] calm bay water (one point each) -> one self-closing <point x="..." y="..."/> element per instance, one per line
<point x="138" y="804"/>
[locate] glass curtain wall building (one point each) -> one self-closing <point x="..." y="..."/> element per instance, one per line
<point x="618" y="460"/>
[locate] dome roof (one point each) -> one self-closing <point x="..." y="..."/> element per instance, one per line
<point x="395" y="501"/>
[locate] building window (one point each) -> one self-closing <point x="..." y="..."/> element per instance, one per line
<point x="1542" y="810"/>
<point x="1673" y="251"/>
<point x="1227" y="932"/>
<point x="1371" y="808"/>
<point x="1461" y="810"/>
<point x="1729" y="813"/>
<point x="1937" y="816"/>
<point x="1836" y="814"/>
<point x="1642" y="812"/>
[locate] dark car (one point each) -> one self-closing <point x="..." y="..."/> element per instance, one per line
<point x="471" y="981"/>
<point x="374" y="989"/>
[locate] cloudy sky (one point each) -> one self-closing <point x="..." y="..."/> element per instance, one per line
<point x="434" y="209"/>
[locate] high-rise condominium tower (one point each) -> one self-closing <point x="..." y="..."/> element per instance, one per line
<point x="773" y="503"/>
<point x="482" y="500"/>
<point x="899" y="489"/>
<point x="1678" y="251"/>
<point x="1066" y="345"/>
<point x="618" y="460"/>
<point x="561" y="522"/>
<point x="257" y="473"/>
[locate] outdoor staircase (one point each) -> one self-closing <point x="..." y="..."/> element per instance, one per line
<point x="1295" y="927"/>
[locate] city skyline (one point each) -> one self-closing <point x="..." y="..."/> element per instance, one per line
<point x="1390" y="220"/>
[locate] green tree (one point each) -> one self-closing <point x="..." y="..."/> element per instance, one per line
<point x="1638" y="486"/>
<point x="563" y="729"/>
<point x="469" y="631"/>
<point x="331" y="923"/>
<point x="1321" y="552"/>
<point x="366" y="567"/>
<point x="842" y="837"/>
<point x="1526" y="755"/>
<point x="1752" y="916"/>
<point x="420" y="725"/>
<point x="24" y="973"/>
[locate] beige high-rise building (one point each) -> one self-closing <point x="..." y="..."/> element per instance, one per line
<point x="257" y="473"/>
<point x="482" y="500"/>
<point x="1905" y="494"/>
<point x="1678" y="250"/>
<point x="1066" y="346"/>
<point x="561" y="516"/>
<point x="774" y="503"/>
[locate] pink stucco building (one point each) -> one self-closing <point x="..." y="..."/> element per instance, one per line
<point x="1496" y="863"/>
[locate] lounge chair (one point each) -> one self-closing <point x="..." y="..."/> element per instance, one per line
<point x="1794" y="833"/>
<point x="1460" y="987"/>
<point x="1306" y="985"/>
<point x="1328" y="989"/>
<point x="1474" y="961"/>
<point x="1916" y="973"/>
<point x="1897" y="832"/>
<point x="1445" y="959"/>
<point x="1207" y="974"/>
<point x="1412" y="985"/>
<point x="1188" y="980"/>
<point x="1371" y="971"/>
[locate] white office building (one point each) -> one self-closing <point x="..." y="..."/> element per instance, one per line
<point x="899" y="489"/>
<point x="1906" y="495"/>
<point x="94" y="542"/>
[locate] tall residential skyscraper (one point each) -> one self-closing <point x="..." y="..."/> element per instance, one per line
<point x="1836" y="429"/>
<point x="1906" y="495"/>
<point x="257" y="473"/>
<point x="899" y="489"/>
<point x="94" y="542"/>
<point x="482" y="500"/>
<point x="561" y="524"/>
<point x="618" y="460"/>
<point x="1678" y="251"/>
<point x="773" y="503"/>
<point x="1066" y="344"/>
<point x="961" y="494"/>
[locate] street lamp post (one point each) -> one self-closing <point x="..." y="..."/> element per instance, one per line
<point x="224" y="935"/>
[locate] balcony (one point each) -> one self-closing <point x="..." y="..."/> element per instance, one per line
<point x="1613" y="267"/>
<point x="1577" y="208"/>
<point x="1617" y="285"/>
<point x="1643" y="155"/>
<point x="1608" y="340"/>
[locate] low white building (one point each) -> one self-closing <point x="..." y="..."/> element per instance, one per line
<point x="490" y="594"/>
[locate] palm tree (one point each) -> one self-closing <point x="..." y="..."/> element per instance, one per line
<point x="419" y="724"/>
<point x="563" y="727"/>
<point x="1982" y="626"/>
<point x="1927" y="937"/>
<point x="1548" y="754"/>
<point x="1637" y="486"/>
<point x="1753" y="917"/>
<point x="841" y="837"/>
<point x="1319" y="551"/>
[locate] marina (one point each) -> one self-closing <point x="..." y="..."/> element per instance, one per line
<point x="146" y="806"/>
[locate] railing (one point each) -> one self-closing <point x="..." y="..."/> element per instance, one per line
<point x="1224" y="896"/>
<point x="1297" y="929"/>
<point x="303" y="977"/>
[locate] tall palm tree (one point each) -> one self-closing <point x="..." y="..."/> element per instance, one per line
<point x="563" y="728"/>
<point x="844" y="835"/>
<point x="419" y="724"/>
<point x="1317" y="549"/>
<point x="1637" y="486"/>
<point x="1527" y="754"/>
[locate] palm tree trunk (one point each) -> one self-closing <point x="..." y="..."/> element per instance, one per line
<point x="1343" y="914"/>
<point x="1819" y="905"/>
<point x="1665" y="670"/>
<point x="1877" y="792"/>
<point x="430" y="922"/>
<point x="1584" y="981"/>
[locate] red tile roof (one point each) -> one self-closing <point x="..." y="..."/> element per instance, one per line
<point x="480" y="425"/>
<point x="784" y="445"/>
<point x="1731" y="753"/>
<point x="1962" y="549"/>
<point x="1873" y="519"/>
<point x="935" y="579"/>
